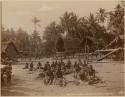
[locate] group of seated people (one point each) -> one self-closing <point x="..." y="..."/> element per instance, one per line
<point x="85" y="72"/>
<point x="52" y="72"/>
<point x="57" y="69"/>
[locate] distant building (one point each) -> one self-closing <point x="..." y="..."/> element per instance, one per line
<point x="25" y="54"/>
<point x="71" y="46"/>
<point x="9" y="51"/>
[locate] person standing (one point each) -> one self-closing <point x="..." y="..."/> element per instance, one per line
<point x="80" y="63"/>
<point x="39" y="65"/>
<point x="68" y="66"/>
<point x="5" y="78"/>
<point x="76" y="69"/>
<point x="9" y="73"/>
<point x="31" y="66"/>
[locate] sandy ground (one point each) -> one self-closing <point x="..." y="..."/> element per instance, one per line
<point x="24" y="83"/>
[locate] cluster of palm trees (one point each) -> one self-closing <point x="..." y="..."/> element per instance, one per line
<point x="97" y="31"/>
<point x="92" y="31"/>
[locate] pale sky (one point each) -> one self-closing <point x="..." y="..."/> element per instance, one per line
<point x="17" y="14"/>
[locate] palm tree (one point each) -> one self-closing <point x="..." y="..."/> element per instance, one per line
<point x="68" y="22"/>
<point x="101" y="15"/>
<point x="116" y="24"/>
<point x="88" y="28"/>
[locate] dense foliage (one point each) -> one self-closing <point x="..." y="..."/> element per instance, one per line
<point x="95" y="31"/>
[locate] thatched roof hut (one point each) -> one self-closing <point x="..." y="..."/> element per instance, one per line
<point x="9" y="50"/>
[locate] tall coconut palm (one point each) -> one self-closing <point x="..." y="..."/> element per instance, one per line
<point x="101" y="15"/>
<point x="68" y="22"/>
<point x="116" y="23"/>
<point x="51" y="34"/>
<point x="89" y="28"/>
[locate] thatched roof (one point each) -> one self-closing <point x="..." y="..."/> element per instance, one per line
<point x="5" y="45"/>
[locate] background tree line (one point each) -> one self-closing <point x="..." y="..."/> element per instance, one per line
<point x="95" y="31"/>
<point x="24" y="42"/>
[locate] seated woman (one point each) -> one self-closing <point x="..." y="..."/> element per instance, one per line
<point x="60" y="79"/>
<point x="93" y="79"/>
<point x="50" y="77"/>
<point x="39" y="65"/>
<point x="26" y="66"/>
<point x="53" y="65"/>
<point x="63" y="68"/>
<point x="59" y="74"/>
<point x="47" y="66"/>
<point x="91" y="71"/>
<point x="68" y="67"/>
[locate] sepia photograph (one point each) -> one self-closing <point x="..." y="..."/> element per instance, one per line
<point x="62" y="47"/>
